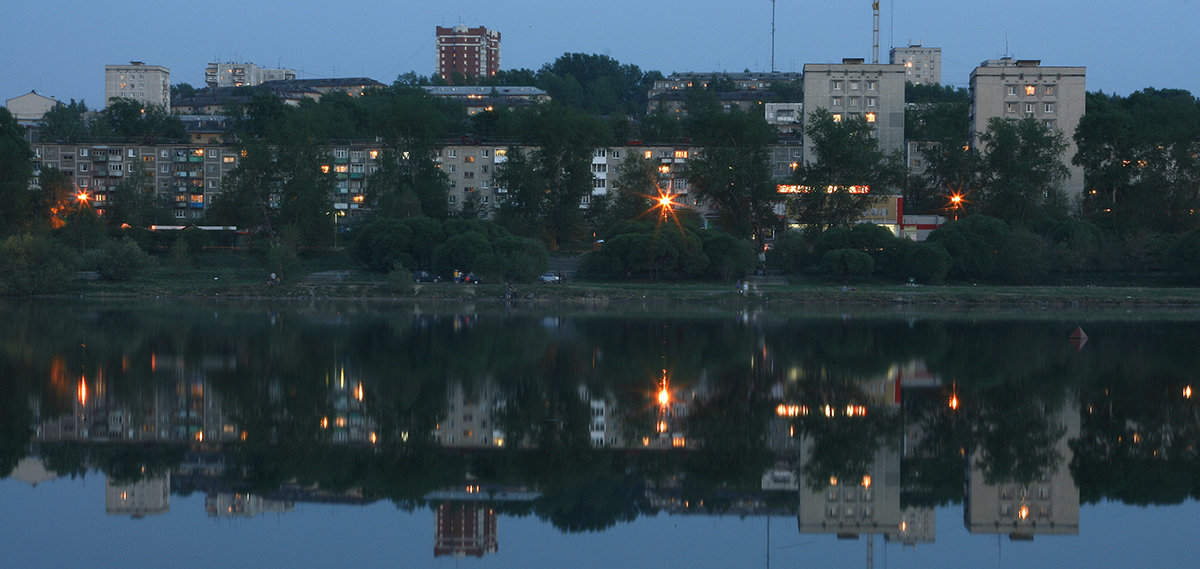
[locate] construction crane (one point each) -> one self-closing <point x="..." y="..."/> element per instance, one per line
<point x="875" y="31"/>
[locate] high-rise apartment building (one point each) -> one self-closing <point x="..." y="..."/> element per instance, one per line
<point x="922" y="65"/>
<point x="470" y="52"/>
<point x="243" y="75"/>
<point x="853" y="89"/>
<point x="149" y="84"/>
<point x="1024" y="88"/>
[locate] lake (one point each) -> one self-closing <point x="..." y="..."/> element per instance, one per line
<point x="210" y="433"/>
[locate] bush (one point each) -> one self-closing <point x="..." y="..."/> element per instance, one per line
<point x="847" y="263"/>
<point x="927" y="263"/>
<point x="31" y="265"/>
<point x="792" y="253"/>
<point x="518" y="259"/>
<point x="1023" y="258"/>
<point x="466" y="252"/>
<point x="728" y="257"/>
<point x="117" y="260"/>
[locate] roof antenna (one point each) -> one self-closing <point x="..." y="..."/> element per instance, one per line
<point x="772" y="36"/>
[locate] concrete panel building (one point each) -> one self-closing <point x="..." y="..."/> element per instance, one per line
<point x="149" y="84"/>
<point x="1024" y="88"/>
<point x="471" y="52"/>
<point x="853" y="89"/>
<point x="231" y="74"/>
<point x="922" y="65"/>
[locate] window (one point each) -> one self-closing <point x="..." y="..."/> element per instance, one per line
<point x="228" y="159"/>
<point x="600" y="153"/>
<point x="681" y="153"/>
<point x="452" y="200"/>
<point x="837" y="117"/>
<point x="83" y="167"/>
<point x="1049" y="89"/>
<point x="131" y="152"/>
<point x="1049" y="108"/>
<point x="469" y="159"/>
<point x="586" y="199"/>
<point x="854" y="102"/>
<point x="870" y="117"/>
<point x="616" y="153"/>
<point x="452" y="153"/>
<point x="1030" y="90"/>
<point x="501" y="152"/>
<point x="1050" y="123"/>
<point x="340" y="153"/>
<point x="1012" y="90"/>
<point x="837" y="101"/>
<point x="598" y="184"/>
<point x="871" y="85"/>
<point x="83" y="152"/>
<point x="837" y="86"/>
<point x="1029" y="108"/>
<point x="648" y="154"/>
<point x="854" y="85"/>
<point x="871" y="101"/>
<point x="1010" y="107"/>
<point x="599" y="168"/>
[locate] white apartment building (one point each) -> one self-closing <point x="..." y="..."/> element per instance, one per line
<point x="231" y="74"/>
<point x="853" y="89"/>
<point x="922" y="65"/>
<point x="149" y="84"/>
<point x="1024" y="88"/>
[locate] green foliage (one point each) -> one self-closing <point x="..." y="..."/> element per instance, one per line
<point x="1022" y="170"/>
<point x="663" y="253"/>
<point x="792" y="253"/>
<point x="17" y="169"/>
<point x="844" y="154"/>
<point x="1185" y="255"/>
<point x="1023" y="258"/>
<point x="847" y="264"/>
<point x="728" y="257"/>
<point x="465" y="252"/>
<point x="731" y="171"/>
<point x="518" y="259"/>
<point x="117" y="260"/>
<point x="34" y="265"/>
<point x="82" y="229"/>
<point x="974" y="245"/>
<point x="927" y="263"/>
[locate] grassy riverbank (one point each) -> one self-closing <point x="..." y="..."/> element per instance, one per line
<point x="329" y="277"/>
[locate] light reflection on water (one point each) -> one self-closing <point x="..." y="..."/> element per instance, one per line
<point x="324" y="437"/>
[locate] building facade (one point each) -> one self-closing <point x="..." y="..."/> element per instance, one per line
<point x="853" y="89"/>
<point x="922" y="65"/>
<point x="149" y="84"/>
<point x="1018" y="89"/>
<point x="470" y="52"/>
<point x="231" y="74"/>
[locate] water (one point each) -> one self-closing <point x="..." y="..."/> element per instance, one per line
<point x="200" y="434"/>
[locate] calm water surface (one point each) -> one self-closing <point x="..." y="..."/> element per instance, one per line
<point x="207" y="434"/>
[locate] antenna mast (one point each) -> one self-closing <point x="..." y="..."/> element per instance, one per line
<point x="875" y="31"/>
<point x="772" y="36"/>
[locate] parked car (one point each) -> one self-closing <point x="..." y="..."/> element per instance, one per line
<point x="549" y="278"/>
<point x="425" y="277"/>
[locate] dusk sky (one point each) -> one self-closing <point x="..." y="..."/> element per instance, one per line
<point x="60" y="48"/>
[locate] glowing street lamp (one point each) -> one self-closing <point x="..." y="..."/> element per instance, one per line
<point x="956" y="204"/>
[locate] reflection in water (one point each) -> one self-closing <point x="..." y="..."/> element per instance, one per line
<point x="857" y="427"/>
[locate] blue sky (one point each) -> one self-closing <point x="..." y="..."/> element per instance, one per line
<point x="60" y="48"/>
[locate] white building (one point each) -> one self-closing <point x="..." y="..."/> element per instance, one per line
<point x="231" y="74"/>
<point x="1018" y="89"/>
<point x="922" y="65"/>
<point x="149" y="84"/>
<point x="853" y="89"/>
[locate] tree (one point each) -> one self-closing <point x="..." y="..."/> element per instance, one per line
<point x="732" y="172"/>
<point x="412" y="125"/>
<point x="65" y="123"/>
<point x="16" y="164"/>
<point x="53" y="199"/>
<point x="134" y="200"/>
<point x="845" y="160"/>
<point x="636" y="183"/>
<point x="546" y="184"/>
<point x="30" y="265"/>
<point x="1022" y="170"/>
<point x="134" y="121"/>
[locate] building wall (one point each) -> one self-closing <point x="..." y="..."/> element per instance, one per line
<point x="150" y="84"/>
<point x="243" y="75"/>
<point x="855" y="89"/>
<point x="1017" y="89"/>
<point x="473" y="52"/>
<point x="30" y="107"/>
<point x="922" y="65"/>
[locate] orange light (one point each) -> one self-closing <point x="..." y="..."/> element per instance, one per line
<point x="956" y="199"/>
<point x="83" y="393"/>
<point x="1187" y="392"/>
<point x="82" y="197"/>
<point x="866" y="481"/>
<point x="954" y="402"/>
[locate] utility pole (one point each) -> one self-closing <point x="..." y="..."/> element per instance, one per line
<point x="772" y="36"/>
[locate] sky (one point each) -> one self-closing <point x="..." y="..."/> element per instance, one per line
<point x="60" y="48"/>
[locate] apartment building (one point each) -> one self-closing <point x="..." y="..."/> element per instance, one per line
<point x="149" y="84"/>
<point x="854" y="89"/>
<point x="922" y="65"/>
<point x="232" y="74"/>
<point x="1024" y="88"/>
<point x="470" y="52"/>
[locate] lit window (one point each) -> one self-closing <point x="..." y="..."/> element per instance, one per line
<point x="1049" y="89"/>
<point x="681" y="153"/>
<point x="649" y="154"/>
<point x="870" y="117"/>
<point x="1030" y="90"/>
<point x="837" y="117"/>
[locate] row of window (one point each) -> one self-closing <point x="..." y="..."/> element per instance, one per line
<point x="1031" y="90"/>
<point x="854" y="102"/>
<point x="1030" y="108"/>
<point x="853" y="84"/>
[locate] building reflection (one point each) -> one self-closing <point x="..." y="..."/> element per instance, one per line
<point x="238" y="505"/>
<point x="146" y="497"/>
<point x="1048" y="505"/>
